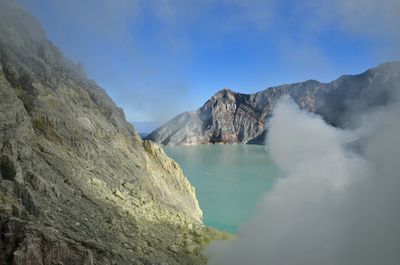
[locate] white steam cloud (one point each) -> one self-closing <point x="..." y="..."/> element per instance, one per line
<point x="334" y="206"/>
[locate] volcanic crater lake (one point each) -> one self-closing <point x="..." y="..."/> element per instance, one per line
<point x="230" y="180"/>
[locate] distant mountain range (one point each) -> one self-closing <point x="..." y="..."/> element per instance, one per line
<point x="144" y="128"/>
<point x="230" y="117"/>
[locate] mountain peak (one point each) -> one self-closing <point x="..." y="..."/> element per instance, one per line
<point x="224" y="92"/>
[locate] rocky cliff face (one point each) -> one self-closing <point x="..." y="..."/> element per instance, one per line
<point x="230" y="117"/>
<point x="77" y="184"/>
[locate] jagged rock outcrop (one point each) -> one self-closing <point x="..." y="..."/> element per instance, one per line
<point x="77" y="184"/>
<point x="230" y="117"/>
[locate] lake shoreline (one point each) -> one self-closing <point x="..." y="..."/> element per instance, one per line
<point x="230" y="180"/>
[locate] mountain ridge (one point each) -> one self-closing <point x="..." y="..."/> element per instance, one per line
<point x="231" y="117"/>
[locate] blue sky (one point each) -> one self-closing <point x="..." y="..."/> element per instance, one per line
<point x="157" y="58"/>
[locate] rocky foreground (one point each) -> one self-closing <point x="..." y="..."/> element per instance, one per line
<point x="230" y="117"/>
<point x="77" y="184"/>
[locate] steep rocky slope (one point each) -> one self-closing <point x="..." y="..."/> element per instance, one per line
<point x="77" y="184"/>
<point x="230" y="117"/>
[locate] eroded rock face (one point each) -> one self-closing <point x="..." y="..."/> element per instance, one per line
<point x="77" y="184"/>
<point x="230" y="117"/>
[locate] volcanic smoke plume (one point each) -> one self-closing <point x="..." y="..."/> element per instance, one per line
<point x="338" y="202"/>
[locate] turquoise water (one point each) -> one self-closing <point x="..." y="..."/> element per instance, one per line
<point x="229" y="179"/>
